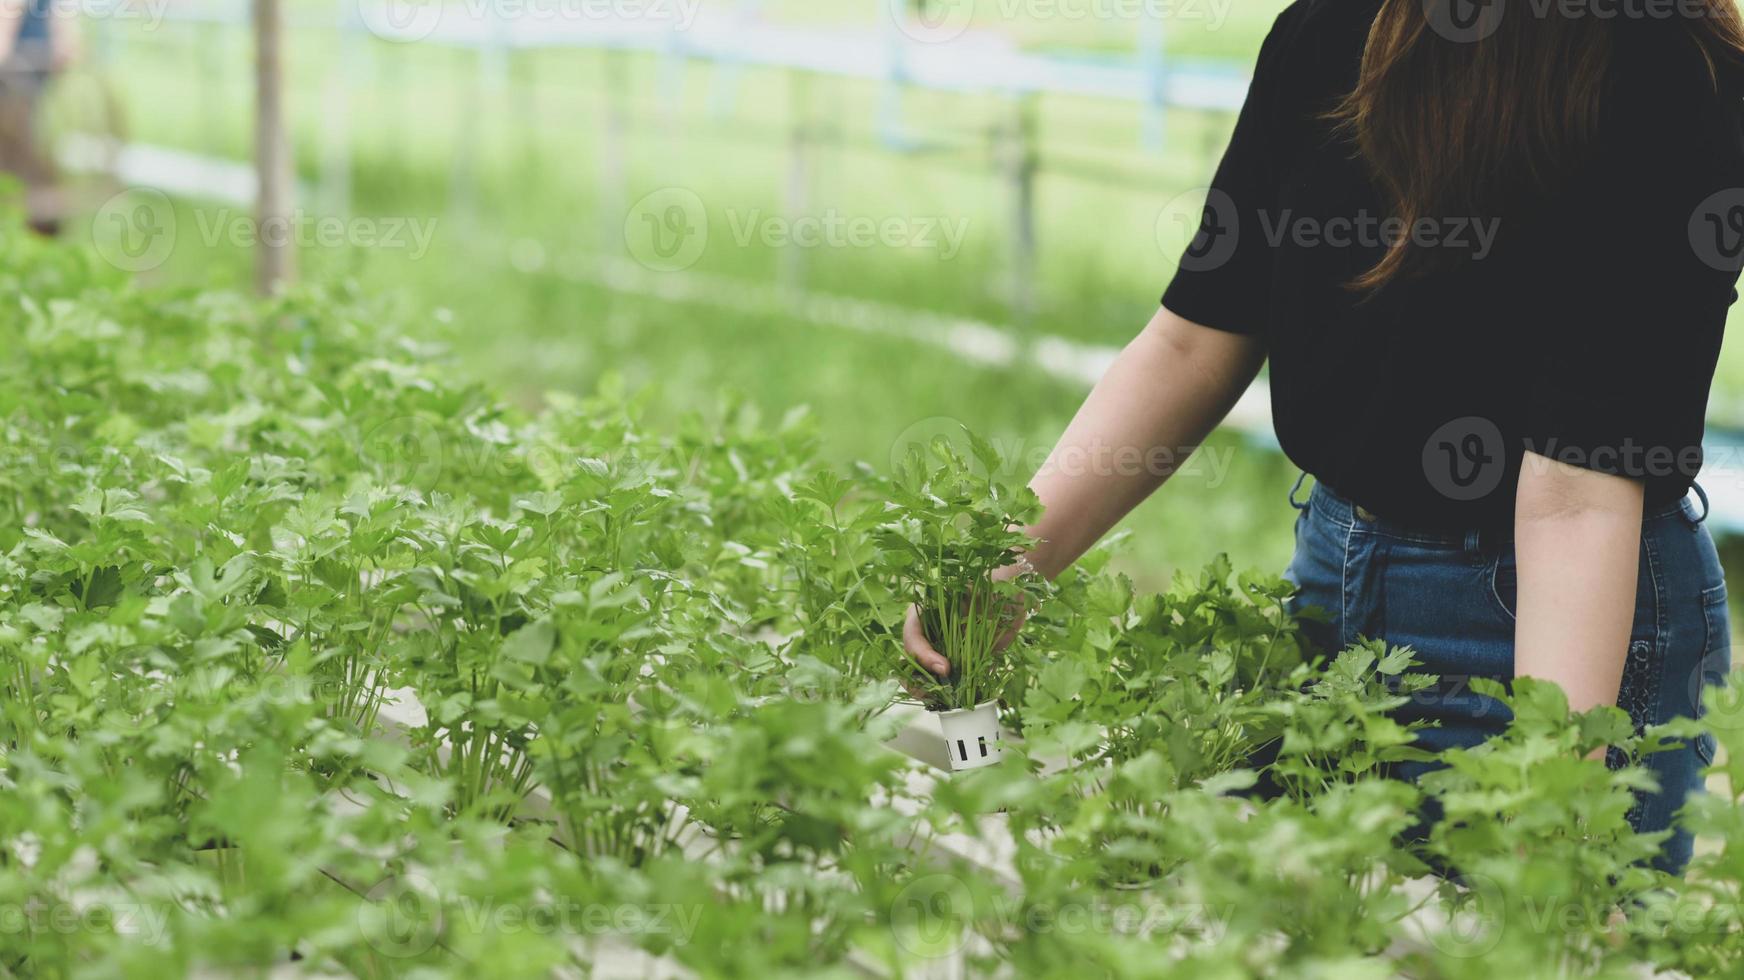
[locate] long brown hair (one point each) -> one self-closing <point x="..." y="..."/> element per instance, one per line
<point x="1468" y="116"/>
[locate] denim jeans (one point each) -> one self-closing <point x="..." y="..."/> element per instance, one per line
<point x="1450" y="597"/>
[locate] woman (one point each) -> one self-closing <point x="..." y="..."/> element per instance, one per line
<point x="1488" y="251"/>
<point x="37" y="40"/>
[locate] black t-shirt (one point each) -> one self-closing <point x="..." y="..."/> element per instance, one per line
<point x="1584" y="327"/>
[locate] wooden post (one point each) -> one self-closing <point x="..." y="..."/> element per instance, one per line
<point x="275" y="256"/>
<point x="209" y="38"/>
<point x="614" y="122"/>
<point x="1150" y="56"/>
<point x="890" y="120"/>
<point x="341" y="81"/>
<point x="790" y="274"/>
<point x="1020" y="164"/>
<point x="463" y="166"/>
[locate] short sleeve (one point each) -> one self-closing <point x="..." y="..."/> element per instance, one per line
<point x="1224" y="275"/>
<point x="1634" y="278"/>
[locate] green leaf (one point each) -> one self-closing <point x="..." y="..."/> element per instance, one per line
<point x="532" y="644"/>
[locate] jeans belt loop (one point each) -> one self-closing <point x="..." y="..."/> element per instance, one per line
<point x="1297" y="489"/>
<point x="1706" y="507"/>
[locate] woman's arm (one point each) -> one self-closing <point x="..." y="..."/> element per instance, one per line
<point x="1164" y="394"/>
<point x="11" y="13"/>
<point x="67" y="39"/>
<point x="1577" y="542"/>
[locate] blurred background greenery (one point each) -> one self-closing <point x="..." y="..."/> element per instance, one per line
<point x="540" y="171"/>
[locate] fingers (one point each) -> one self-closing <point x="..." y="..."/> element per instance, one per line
<point x="915" y="642"/>
<point x="1019" y="616"/>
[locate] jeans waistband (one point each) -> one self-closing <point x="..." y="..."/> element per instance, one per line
<point x="1330" y="504"/>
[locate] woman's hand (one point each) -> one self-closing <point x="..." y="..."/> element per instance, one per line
<point x="914" y="638"/>
<point x="1159" y="400"/>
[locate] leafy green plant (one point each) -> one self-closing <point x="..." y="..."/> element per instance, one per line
<point x="954" y="544"/>
<point x="315" y="656"/>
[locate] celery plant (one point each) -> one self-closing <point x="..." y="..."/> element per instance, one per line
<point x="952" y="543"/>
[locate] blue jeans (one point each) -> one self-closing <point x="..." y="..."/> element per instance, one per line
<point x="1450" y="597"/>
